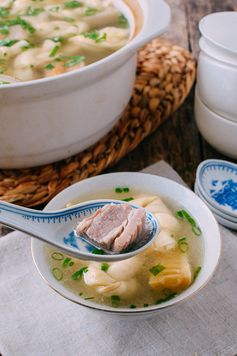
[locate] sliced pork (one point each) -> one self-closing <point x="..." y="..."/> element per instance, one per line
<point x="114" y="227"/>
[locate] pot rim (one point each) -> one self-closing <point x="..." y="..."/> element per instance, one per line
<point x="130" y="48"/>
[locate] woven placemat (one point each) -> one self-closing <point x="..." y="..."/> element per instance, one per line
<point x="165" y="74"/>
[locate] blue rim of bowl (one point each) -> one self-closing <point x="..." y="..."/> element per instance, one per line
<point x="214" y="163"/>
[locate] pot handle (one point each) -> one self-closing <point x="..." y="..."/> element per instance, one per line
<point x="154" y="24"/>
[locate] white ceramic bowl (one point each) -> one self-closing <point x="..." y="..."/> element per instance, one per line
<point x="217" y="63"/>
<point x="219" y="132"/>
<point x="163" y="187"/>
<point x="49" y="119"/>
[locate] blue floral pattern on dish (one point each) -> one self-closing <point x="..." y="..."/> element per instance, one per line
<point x="225" y="193"/>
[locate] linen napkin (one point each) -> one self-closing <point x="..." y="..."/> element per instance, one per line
<point x="36" y="321"/>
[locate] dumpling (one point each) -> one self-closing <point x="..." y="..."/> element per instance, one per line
<point x="123" y="289"/>
<point x="107" y="17"/>
<point x="176" y="275"/>
<point x="144" y="200"/>
<point x="167" y="221"/>
<point x="164" y="241"/>
<point x="96" y="277"/>
<point x="59" y="28"/>
<point x="158" y="206"/>
<point x="125" y="270"/>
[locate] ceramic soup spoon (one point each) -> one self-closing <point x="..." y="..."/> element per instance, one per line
<point x="57" y="228"/>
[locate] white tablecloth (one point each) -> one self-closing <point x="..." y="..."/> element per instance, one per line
<point x="36" y="321"/>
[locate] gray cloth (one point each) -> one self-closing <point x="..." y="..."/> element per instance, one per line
<point x="36" y="321"/>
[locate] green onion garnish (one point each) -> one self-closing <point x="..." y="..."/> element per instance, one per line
<point x="128" y="199"/>
<point x="57" y="273"/>
<point x="54" y="51"/>
<point x="80" y="294"/>
<point x="196" y="230"/>
<point x="183" y="214"/>
<point x="90" y="11"/>
<point x="72" y="4"/>
<point x="71" y="263"/>
<point x="145" y="305"/>
<point x="4" y="30"/>
<point x="88" y="298"/>
<point x="57" y="39"/>
<point x="23" y="23"/>
<point x="7" y="42"/>
<point x="196" y="272"/>
<point x="3" y="11"/>
<point x="33" y="11"/>
<point x="66" y="262"/>
<point x="104" y="267"/>
<point x="122" y="21"/>
<point x="118" y="190"/>
<point x="126" y="190"/>
<point x="57" y="256"/>
<point x="77" y="275"/>
<point x="54" y="9"/>
<point x="132" y="306"/>
<point x="115" y="299"/>
<point x="97" y="251"/>
<point x="165" y="299"/>
<point x="74" y="60"/>
<point x="156" y="269"/>
<point x="49" y="66"/>
<point x="95" y="36"/>
<point x="182" y="244"/>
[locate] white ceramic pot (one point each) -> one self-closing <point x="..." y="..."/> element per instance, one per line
<point x="218" y="131"/>
<point x="217" y="64"/>
<point x="49" y="119"/>
<point x="152" y="185"/>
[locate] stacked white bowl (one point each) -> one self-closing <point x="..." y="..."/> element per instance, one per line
<point x="216" y="185"/>
<point x="216" y="90"/>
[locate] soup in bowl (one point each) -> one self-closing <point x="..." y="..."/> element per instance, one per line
<point x="69" y="67"/>
<point x="179" y="262"/>
<point x="45" y="38"/>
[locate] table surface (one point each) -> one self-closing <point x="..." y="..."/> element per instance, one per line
<point x="178" y="141"/>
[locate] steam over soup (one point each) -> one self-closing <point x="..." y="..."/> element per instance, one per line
<point x="163" y="270"/>
<point x="43" y="38"/>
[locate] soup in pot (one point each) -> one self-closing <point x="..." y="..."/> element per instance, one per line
<point x="163" y="270"/>
<point x="44" y="38"/>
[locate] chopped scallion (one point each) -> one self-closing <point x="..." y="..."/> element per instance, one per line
<point x="122" y="21"/>
<point x="128" y="199"/>
<point x="74" y="60"/>
<point x="183" y="214"/>
<point x="72" y="4"/>
<point x="132" y="306"/>
<point x="105" y="267"/>
<point x="115" y="299"/>
<point x="77" y="275"/>
<point x="66" y="262"/>
<point x="57" y="273"/>
<point x="90" y="11"/>
<point x="183" y="244"/>
<point x="95" y="36"/>
<point x="54" y="51"/>
<point x="156" y="269"/>
<point x="7" y="42"/>
<point x="165" y="299"/>
<point x="57" y="256"/>
<point x="196" y="272"/>
<point x="97" y="251"/>
<point x="49" y="66"/>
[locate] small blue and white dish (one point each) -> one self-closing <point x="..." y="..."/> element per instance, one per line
<point x="217" y="183"/>
<point x="222" y="218"/>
